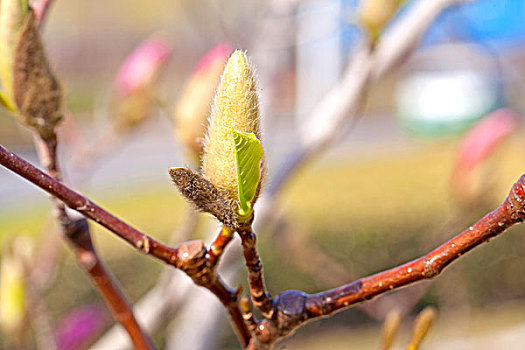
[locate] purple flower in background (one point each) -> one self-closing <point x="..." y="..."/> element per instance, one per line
<point x="141" y="66"/>
<point x="80" y="326"/>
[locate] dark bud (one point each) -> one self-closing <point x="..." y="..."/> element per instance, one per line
<point x="204" y="195"/>
<point x="290" y="307"/>
<point x="37" y="94"/>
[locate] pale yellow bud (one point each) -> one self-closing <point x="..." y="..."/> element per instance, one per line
<point x="375" y="14"/>
<point x="12" y="14"/>
<point x="236" y="106"/>
<point x="12" y="308"/>
<point x="422" y="325"/>
<point x="390" y="328"/>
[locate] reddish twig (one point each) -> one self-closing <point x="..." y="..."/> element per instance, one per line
<point x="78" y="235"/>
<point x="80" y="240"/>
<point x="260" y="297"/>
<point x="83" y="205"/>
<point x="294" y="308"/>
<point x="189" y="257"/>
<point x="217" y="247"/>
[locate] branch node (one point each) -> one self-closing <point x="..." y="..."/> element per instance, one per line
<point x="515" y="202"/>
<point x="143" y="245"/>
<point x="290" y="310"/>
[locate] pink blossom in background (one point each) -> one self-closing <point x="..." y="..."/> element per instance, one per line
<point x="480" y="142"/>
<point x="219" y="53"/>
<point x="40" y="8"/>
<point x="484" y="136"/>
<point x="80" y="326"/>
<point x="141" y="66"/>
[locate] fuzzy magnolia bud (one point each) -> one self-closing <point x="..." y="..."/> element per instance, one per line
<point x="233" y="154"/>
<point x="37" y="93"/>
<point x="236" y="107"/>
<point x="194" y="104"/>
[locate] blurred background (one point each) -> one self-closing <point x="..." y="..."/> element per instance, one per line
<point x="436" y="144"/>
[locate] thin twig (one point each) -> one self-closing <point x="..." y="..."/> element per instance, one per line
<point x="260" y="297"/>
<point x="368" y="65"/>
<point x="86" y="207"/>
<point x="217" y="247"/>
<point x="78" y="235"/>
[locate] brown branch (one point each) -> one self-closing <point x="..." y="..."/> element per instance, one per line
<point x="81" y="243"/>
<point x="86" y="207"/>
<point x="260" y="297"/>
<point x="78" y="235"/>
<point x="193" y="261"/>
<point x="189" y="257"/>
<point x="219" y="245"/>
<point x="294" y="308"/>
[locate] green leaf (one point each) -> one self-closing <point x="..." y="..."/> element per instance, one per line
<point x="25" y="6"/>
<point x="6" y="103"/>
<point x="249" y="153"/>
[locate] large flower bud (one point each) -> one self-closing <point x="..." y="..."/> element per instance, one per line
<point x="232" y="159"/>
<point x="236" y="107"/>
<point x="37" y="93"/>
<point x="30" y="87"/>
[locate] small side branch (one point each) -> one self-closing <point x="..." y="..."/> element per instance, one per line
<point x="219" y="245"/>
<point x="260" y="297"/>
<point x="80" y="240"/>
<point x="78" y="235"/>
<point x="511" y="212"/>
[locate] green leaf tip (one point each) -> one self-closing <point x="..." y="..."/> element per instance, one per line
<point x="25" y="5"/>
<point x="249" y="154"/>
<point x="4" y="101"/>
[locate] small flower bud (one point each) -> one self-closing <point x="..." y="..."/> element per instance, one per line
<point x="201" y="193"/>
<point x="390" y="328"/>
<point x="194" y="104"/>
<point x="142" y="66"/>
<point x="422" y="325"/>
<point x="12" y="304"/>
<point x="134" y="93"/>
<point x="37" y="93"/>
<point x="375" y="14"/>
<point x="12" y="14"/>
<point x="236" y="107"/>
